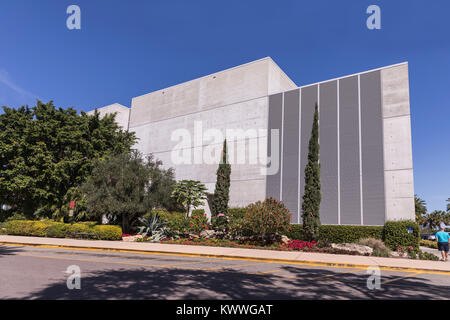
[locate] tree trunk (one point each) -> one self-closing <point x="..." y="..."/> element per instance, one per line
<point x="125" y="223"/>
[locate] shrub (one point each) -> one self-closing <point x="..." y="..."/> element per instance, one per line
<point x="197" y="223"/>
<point x="339" y="233"/>
<point x="197" y="212"/>
<point x="16" y="216"/>
<point x="267" y="218"/>
<point x="379" y="249"/>
<point x="221" y="223"/>
<point x="429" y="244"/>
<point x="396" y="234"/>
<point x="53" y="229"/>
<point x="107" y="232"/>
<point x="176" y="221"/>
<point x="57" y="230"/>
<point x="427" y="256"/>
<point x="236" y="213"/>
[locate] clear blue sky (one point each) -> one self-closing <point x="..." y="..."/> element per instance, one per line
<point x="129" y="48"/>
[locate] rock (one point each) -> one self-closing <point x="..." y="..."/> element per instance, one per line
<point x="208" y="234"/>
<point x="194" y="236"/>
<point x="364" y="250"/>
<point x="132" y="238"/>
<point x="285" y="239"/>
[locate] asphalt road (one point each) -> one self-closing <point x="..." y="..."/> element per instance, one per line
<point x="40" y="273"/>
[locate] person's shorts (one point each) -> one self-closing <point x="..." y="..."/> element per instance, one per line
<point x="443" y="246"/>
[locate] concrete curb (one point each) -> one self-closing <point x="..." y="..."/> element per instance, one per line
<point x="235" y="257"/>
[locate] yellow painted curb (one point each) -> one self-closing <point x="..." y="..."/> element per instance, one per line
<point x="226" y="257"/>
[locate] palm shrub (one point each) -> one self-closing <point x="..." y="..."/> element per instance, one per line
<point x="312" y="195"/>
<point x="267" y="219"/>
<point x="222" y="190"/>
<point x="189" y="193"/>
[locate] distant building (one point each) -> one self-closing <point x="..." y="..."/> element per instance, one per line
<point x="365" y="137"/>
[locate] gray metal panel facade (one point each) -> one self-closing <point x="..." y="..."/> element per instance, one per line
<point x="275" y="122"/>
<point x="372" y="149"/>
<point x="289" y="180"/>
<point x="349" y="151"/>
<point x="352" y="171"/>
<point x="328" y="152"/>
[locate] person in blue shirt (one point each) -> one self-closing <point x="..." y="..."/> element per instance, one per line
<point x="442" y="239"/>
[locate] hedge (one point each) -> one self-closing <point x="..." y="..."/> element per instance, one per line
<point x="396" y="234"/>
<point x="393" y="233"/>
<point x="339" y="233"/>
<point x="48" y="228"/>
<point x="429" y="244"/>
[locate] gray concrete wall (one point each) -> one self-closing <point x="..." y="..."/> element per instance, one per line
<point x="233" y="99"/>
<point x="398" y="166"/>
<point x="122" y="113"/>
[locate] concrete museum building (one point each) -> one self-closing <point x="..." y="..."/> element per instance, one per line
<point x="364" y="136"/>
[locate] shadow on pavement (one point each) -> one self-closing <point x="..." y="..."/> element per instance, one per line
<point x="7" y="250"/>
<point x="233" y="284"/>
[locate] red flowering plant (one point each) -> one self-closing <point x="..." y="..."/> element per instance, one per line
<point x="197" y="223"/>
<point x="300" y="245"/>
<point x="267" y="219"/>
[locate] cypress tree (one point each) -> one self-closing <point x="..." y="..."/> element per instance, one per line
<point x="222" y="190"/>
<point x="312" y="195"/>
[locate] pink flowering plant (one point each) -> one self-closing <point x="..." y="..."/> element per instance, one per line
<point x="221" y="223"/>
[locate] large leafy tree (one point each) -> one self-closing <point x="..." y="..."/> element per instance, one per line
<point x="421" y="210"/>
<point x="46" y="151"/>
<point x="448" y="205"/>
<point x="222" y="190"/>
<point x="125" y="186"/>
<point x="189" y="193"/>
<point x="312" y="195"/>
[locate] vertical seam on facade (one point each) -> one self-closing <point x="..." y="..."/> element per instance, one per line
<point x="338" y="153"/>
<point x="282" y="147"/>
<point x="384" y="144"/>
<point x="318" y="115"/>
<point x="360" y="150"/>
<point x="299" y="153"/>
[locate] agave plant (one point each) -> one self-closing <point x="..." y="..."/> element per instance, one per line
<point x="153" y="227"/>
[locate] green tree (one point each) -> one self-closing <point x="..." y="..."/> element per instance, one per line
<point x="46" y="151"/>
<point x="312" y="195"/>
<point x="122" y="188"/>
<point x="222" y="190"/>
<point x="434" y="219"/>
<point x="189" y="193"/>
<point x="448" y="205"/>
<point x="421" y="210"/>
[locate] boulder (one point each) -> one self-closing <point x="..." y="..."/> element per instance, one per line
<point x="363" y="250"/>
<point x="285" y="239"/>
<point x="208" y="234"/>
<point x="132" y="238"/>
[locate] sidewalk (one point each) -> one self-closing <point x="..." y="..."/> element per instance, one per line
<point x="237" y="253"/>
